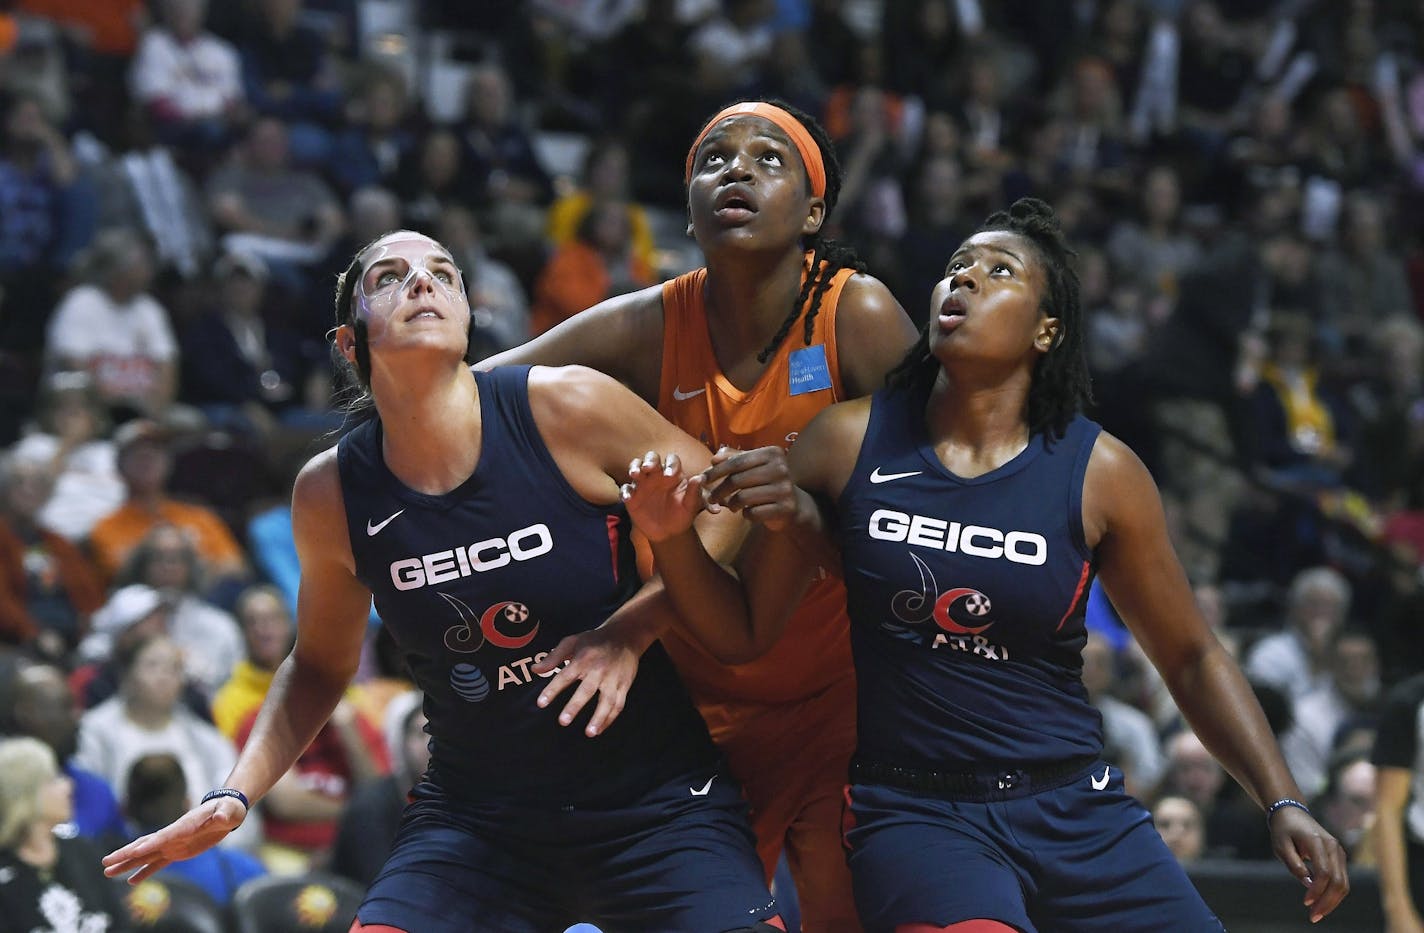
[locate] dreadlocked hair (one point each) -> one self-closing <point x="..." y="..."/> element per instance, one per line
<point x="1061" y="385"/>
<point x="827" y="256"/>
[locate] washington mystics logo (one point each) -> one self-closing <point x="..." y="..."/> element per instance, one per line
<point x="506" y="624"/>
<point x="959" y="611"/>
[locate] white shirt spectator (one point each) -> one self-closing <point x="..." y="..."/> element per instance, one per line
<point x="87" y="488"/>
<point x="1129" y="732"/>
<point x="192" y="80"/>
<point x="1307" y="746"/>
<point x="1280" y="661"/>
<point x="127" y="342"/>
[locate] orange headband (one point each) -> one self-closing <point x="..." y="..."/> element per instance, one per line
<point x="792" y="127"/>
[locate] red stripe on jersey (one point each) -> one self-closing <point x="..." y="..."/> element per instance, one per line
<point x="612" y="521"/>
<point x="1077" y="595"/>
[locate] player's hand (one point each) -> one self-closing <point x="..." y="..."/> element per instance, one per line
<point x="1312" y="855"/>
<point x="756" y="483"/>
<point x="660" y="500"/>
<point x="196" y="831"/>
<point x="599" y="662"/>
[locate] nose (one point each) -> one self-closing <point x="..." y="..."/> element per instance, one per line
<point x="417" y="274"/>
<point x="738" y="166"/>
<point x="964" y="278"/>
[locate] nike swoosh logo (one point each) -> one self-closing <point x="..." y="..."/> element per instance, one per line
<point x="1097" y="784"/>
<point x="877" y="477"/>
<point x="682" y="396"/>
<point x="705" y="787"/>
<point x="372" y="530"/>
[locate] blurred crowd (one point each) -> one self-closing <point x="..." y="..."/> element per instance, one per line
<point x="181" y="182"/>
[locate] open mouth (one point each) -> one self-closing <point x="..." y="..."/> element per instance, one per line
<point x="951" y="313"/>
<point x="734" y="201"/>
<point x="427" y="313"/>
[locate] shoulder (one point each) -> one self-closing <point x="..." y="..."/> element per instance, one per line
<point x="576" y="392"/>
<point x="1117" y="489"/>
<point x="318" y="509"/>
<point x="873" y="333"/>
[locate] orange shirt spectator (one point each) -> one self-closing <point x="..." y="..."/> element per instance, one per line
<point x="145" y="464"/>
<point x="598" y="264"/>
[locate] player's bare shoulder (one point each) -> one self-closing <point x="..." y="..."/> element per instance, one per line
<point x="824" y="455"/>
<point x="319" y="510"/>
<point x="873" y="333"/>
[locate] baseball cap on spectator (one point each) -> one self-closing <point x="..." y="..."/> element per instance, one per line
<point x="138" y="431"/>
<point x="234" y="262"/>
<point x="128" y="606"/>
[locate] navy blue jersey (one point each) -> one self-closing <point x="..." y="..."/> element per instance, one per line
<point x="966" y="598"/>
<point x="477" y="584"/>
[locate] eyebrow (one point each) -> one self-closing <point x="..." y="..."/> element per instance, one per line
<point x="719" y="136"/>
<point x="988" y="246"/>
<point x="389" y="260"/>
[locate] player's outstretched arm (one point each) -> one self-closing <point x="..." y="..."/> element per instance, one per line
<point x="332" y="607"/>
<point x="1122" y="514"/>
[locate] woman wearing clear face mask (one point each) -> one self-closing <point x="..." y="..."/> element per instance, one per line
<point x="482" y="514"/>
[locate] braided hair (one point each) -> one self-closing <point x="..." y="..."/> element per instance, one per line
<point x="827" y="256"/>
<point x="1061" y="385"/>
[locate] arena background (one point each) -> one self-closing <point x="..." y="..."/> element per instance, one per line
<point x="180" y="182"/>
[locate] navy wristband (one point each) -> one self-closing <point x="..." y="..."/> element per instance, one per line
<point x="232" y="792"/>
<point x="1285" y="802"/>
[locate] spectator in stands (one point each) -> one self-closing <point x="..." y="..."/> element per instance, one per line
<point x="48" y="588"/>
<point x="935" y="228"/>
<point x="1129" y="738"/>
<point x="604" y="178"/>
<point x="376" y="141"/>
<point x="268" y="633"/>
<point x="1399" y="806"/>
<point x="240" y="367"/>
<point x="599" y="263"/>
<point x="1364" y="275"/>
<point x="1348" y="698"/>
<point x="145" y="463"/>
<point x="265" y="206"/>
<point x="1296" y="660"/>
<point x="1180" y="823"/>
<point x="301" y="812"/>
<point x="157" y="795"/>
<point x="209" y="637"/>
<point x="1192" y="773"/>
<point x="132" y="614"/>
<point x="1347" y="805"/>
<point x="1153" y="251"/>
<point x="114" y="330"/>
<point x="434" y="180"/>
<point x="188" y="80"/>
<point x="372" y="815"/>
<point x="71" y="440"/>
<point x="499" y="308"/>
<point x="1302" y="432"/>
<point x="509" y="179"/>
<point x="45" y="709"/>
<point x="147" y="716"/>
<point x="48" y="881"/>
<point x="288" y="73"/>
<point x="43" y="223"/>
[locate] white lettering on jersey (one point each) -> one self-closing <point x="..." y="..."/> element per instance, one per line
<point x="411" y="573"/>
<point x="1021" y="547"/>
<point x="518" y="673"/>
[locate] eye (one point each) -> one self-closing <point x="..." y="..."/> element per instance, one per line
<point x="446" y="276"/>
<point x="1000" y="267"/>
<point x="955" y="265"/>
<point x="773" y="158"/>
<point x="387" y="278"/>
<point x="711" y="158"/>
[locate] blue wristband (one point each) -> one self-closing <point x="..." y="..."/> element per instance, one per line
<point x="232" y="792"/>
<point x="1285" y="802"/>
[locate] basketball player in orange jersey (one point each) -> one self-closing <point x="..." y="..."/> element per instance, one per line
<point x="780" y="324"/>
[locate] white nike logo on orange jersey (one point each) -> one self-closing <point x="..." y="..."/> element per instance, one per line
<point x="682" y="396"/>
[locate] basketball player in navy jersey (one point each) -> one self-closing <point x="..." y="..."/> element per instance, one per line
<point x="482" y="513"/>
<point x="972" y="504"/>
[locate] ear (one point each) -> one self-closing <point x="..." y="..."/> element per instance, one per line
<point x="345" y="340"/>
<point x="815" y="216"/>
<point x="1050" y="334"/>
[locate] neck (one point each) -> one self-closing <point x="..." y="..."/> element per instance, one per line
<point x="148" y="501"/>
<point x="145" y="716"/>
<point x="431" y="422"/>
<point x="39" y="849"/>
<point x="977" y="427"/>
<point x="748" y="298"/>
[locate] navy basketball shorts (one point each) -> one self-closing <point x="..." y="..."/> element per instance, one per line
<point x="1080" y="856"/>
<point x="680" y="858"/>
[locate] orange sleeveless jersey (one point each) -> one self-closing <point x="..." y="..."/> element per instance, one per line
<point x="814" y="651"/>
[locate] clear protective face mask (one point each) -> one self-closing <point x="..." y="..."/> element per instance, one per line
<point x="381" y="289"/>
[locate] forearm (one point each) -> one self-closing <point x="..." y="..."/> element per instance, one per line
<point x="1391" y="853"/>
<point x="1221" y="708"/>
<point x="709" y="604"/>
<point x="642" y="619"/>
<point x="298" y="703"/>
